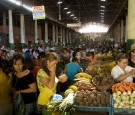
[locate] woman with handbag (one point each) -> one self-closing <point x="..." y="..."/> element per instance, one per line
<point x="25" y="85"/>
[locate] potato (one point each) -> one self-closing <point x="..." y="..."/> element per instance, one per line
<point x="87" y="104"/>
<point x="79" y="95"/>
<point x="85" y="99"/>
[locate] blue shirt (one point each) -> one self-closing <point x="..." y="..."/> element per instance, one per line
<point x="71" y="70"/>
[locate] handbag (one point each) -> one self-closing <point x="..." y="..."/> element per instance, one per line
<point x="19" y="105"/>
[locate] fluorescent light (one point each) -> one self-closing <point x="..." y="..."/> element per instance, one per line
<point x="102" y="20"/>
<point x="102" y="6"/>
<point x="59" y="2"/>
<point x="65" y="8"/>
<point x="102" y="13"/>
<point x="102" y="10"/>
<point x="27" y="7"/>
<point x="72" y="15"/>
<point x="102" y="16"/>
<point x="68" y="12"/>
<point x="103" y="0"/>
<point x="15" y="2"/>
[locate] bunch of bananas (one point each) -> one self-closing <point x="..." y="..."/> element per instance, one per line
<point x="71" y="89"/>
<point x="83" y="75"/>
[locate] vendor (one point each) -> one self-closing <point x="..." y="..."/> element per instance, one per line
<point x="131" y="60"/>
<point x="123" y="72"/>
<point x="46" y="79"/>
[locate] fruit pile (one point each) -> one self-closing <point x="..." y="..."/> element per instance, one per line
<point x="71" y="89"/>
<point x="92" y="98"/>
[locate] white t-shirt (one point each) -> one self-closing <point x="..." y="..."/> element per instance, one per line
<point x="117" y="71"/>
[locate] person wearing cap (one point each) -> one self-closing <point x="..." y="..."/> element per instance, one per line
<point x="131" y="60"/>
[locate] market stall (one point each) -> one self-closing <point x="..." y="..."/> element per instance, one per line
<point x="96" y="92"/>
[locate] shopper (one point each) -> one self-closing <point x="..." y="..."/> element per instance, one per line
<point x="92" y="57"/>
<point x="46" y="79"/>
<point x="131" y="60"/>
<point x="25" y="84"/>
<point x="72" y="69"/>
<point x="123" y="72"/>
<point x="6" y="106"/>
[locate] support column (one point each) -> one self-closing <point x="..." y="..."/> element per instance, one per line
<point x="63" y="36"/>
<point x="11" y="36"/>
<point x="70" y="37"/>
<point x="122" y="31"/>
<point x="4" y="22"/>
<point x="22" y="29"/>
<point x="115" y="34"/>
<point x="67" y="36"/>
<point x="57" y="34"/>
<point x="46" y="32"/>
<point x="118" y="33"/>
<point x="131" y="24"/>
<point x="36" y="33"/>
<point x="53" y="40"/>
<point x="126" y="33"/>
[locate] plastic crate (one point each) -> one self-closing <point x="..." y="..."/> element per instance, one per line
<point x="125" y="111"/>
<point x="95" y="109"/>
<point x="122" y="111"/>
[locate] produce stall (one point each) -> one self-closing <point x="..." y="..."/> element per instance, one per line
<point x="124" y="98"/>
<point x="96" y="91"/>
<point x="92" y="96"/>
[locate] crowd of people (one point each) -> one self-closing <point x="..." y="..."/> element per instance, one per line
<point x="36" y="74"/>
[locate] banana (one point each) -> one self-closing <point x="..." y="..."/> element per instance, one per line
<point x="74" y="88"/>
<point x="68" y="91"/>
<point x="83" y="75"/>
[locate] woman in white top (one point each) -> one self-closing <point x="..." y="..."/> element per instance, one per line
<point x="123" y="72"/>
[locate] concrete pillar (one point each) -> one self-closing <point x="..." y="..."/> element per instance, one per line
<point x="70" y="37"/>
<point x="36" y="33"/>
<point x="53" y="40"/>
<point x="11" y="36"/>
<point x="131" y="24"/>
<point x="122" y="31"/>
<point x="4" y="22"/>
<point x="67" y="36"/>
<point x="118" y="33"/>
<point x="22" y="30"/>
<point x="115" y="34"/>
<point x="46" y="32"/>
<point x="63" y="36"/>
<point x="60" y="34"/>
<point x="126" y="33"/>
<point x="56" y="34"/>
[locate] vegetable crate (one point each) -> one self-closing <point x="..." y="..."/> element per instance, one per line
<point x="95" y="109"/>
<point x="124" y="111"/>
<point x="47" y="112"/>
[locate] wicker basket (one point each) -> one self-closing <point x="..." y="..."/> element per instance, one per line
<point x="102" y="88"/>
